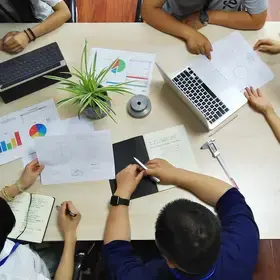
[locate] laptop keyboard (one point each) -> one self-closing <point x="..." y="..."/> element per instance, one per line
<point x="29" y="65"/>
<point x="200" y="95"/>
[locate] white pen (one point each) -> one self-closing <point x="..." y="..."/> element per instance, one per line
<point x="155" y="179"/>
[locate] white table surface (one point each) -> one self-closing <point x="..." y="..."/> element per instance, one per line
<point x="247" y="144"/>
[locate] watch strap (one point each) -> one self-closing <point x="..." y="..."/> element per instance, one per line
<point x="116" y="200"/>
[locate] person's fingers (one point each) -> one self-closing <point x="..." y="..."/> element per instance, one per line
<point x="140" y="176"/>
<point x="264" y="48"/>
<point x="253" y="91"/>
<point x="207" y="51"/>
<point x="154" y="161"/>
<point x="249" y="91"/>
<point x="246" y="94"/>
<point x="259" y="92"/>
<point x="63" y="208"/>
<point x="10" y="43"/>
<point x="16" y="50"/>
<point x="150" y="172"/>
<point x="152" y="166"/>
<point x="31" y="165"/>
<point x="262" y="42"/>
<point x="40" y="169"/>
<point x="72" y="208"/>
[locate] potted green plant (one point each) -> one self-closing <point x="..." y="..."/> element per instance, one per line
<point x="88" y="93"/>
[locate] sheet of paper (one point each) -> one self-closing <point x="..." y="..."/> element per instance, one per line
<point x="19" y="129"/>
<point x="79" y="158"/>
<point x="63" y="127"/>
<point x="36" y="219"/>
<point x="239" y="63"/>
<point x="173" y="145"/>
<point x="133" y="67"/>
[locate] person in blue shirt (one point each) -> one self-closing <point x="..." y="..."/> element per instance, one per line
<point x="194" y="243"/>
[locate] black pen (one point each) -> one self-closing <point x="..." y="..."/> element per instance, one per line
<point x="68" y="212"/>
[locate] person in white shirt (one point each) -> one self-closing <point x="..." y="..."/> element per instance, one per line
<point x="50" y="13"/>
<point x="19" y="262"/>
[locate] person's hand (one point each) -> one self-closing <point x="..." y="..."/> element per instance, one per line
<point x="30" y="174"/>
<point x="127" y="180"/>
<point x="193" y="21"/>
<point x="162" y="169"/>
<point x="68" y="224"/>
<point x="16" y="43"/>
<point x="9" y="35"/>
<point x="198" y="44"/>
<point x="257" y="100"/>
<point x="267" y="45"/>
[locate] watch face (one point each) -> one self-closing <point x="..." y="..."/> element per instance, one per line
<point x="204" y="19"/>
<point x="115" y="200"/>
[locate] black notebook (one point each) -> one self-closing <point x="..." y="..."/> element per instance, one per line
<point x="171" y="144"/>
<point x="32" y="213"/>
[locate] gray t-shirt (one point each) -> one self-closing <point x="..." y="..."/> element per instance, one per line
<point x="182" y="8"/>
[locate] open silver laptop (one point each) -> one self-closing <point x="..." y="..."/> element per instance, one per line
<point x="208" y="94"/>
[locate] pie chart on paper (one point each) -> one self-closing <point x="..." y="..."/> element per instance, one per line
<point x="118" y="66"/>
<point x="37" y="130"/>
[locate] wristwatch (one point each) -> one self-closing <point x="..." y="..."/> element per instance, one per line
<point x="203" y="17"/>
<point x="116" y="200"/>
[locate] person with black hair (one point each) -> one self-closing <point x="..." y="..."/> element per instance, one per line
<point x="193" y="242"/>
<point x="50" y="14"/>
<point x="19" y="261"/>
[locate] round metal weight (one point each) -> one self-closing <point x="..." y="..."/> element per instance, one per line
<point x="139" y="106"/>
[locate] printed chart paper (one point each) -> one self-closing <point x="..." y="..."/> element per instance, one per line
<point x="133" y="67"/>
<point x="63" y="127"/>
<point x="79" y="158"/>
<point x="19" y="129"/>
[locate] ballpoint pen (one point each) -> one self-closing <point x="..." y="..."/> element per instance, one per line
<point x="68" y="212"/>
<point x="155" y="179"/>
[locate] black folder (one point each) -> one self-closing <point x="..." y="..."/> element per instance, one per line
<point x="123" y="153"/>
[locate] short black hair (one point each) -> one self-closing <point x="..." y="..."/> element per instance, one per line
<point x="7" y="222"/>
<point x="189" y="235"/>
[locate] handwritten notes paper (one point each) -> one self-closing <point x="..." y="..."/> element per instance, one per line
<point x="173" y="145"/>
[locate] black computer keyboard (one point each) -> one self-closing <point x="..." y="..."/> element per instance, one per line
<point x="200" y="95"/>
<point x="29" y="65"/>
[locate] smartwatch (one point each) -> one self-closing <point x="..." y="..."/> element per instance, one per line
<point x="116" y="200"/>
<point x="203" y="17"/>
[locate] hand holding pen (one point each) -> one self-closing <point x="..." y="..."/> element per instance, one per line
<point x="68" y="220"/>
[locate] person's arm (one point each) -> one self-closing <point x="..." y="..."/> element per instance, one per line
<point x="238" y="20"/>
<point x="18" y="42"/>
<point x="26" y="180"/>
<point x="59" y="17"/>
<point x="206" y="188"/>
<point x="117" y="226"/>
<point x="258" y="102"/>
<point x="68" y="226"/>
<point x="154" y="15"/>
<point x="119" y="256"/>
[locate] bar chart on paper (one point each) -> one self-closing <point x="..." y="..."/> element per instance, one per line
<point x="138" y="73"/>
<point x="15" y="141"/>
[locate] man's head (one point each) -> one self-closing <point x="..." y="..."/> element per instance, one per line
<point x="7" y="222"/>
<point x="188" y="236"/>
